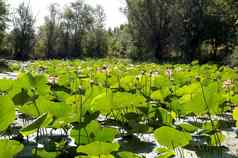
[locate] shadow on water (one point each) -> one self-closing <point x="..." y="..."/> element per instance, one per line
<point x="205" y="151"/>
<point x="134" y="144"/>
<point x="48" y="145"/>
<point x="26" y="152"/>
<point x="4" y="66"/>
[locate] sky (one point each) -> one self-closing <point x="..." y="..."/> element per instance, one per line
<point x="114" y="17"/>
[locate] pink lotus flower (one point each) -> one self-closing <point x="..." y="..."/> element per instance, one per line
<point x="52" y="79"/>
<point x="227" y="84"/>
<point x="169" y="72"/>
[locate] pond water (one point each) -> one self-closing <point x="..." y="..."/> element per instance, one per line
<point x="142" y="144"/>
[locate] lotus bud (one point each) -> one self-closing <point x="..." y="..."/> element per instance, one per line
<point x="197" y="78"/>
<point x="169" y="72"/>
<point x="142" y="72"/>
<point x="80" y="89"/>
<point x="92" y="82"/>
<point x="52" y="80"/>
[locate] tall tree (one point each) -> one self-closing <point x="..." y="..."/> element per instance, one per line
<point x="3" y="19"/>
<point x="81" y="21"/>
<point x="76" y="21"/>
<point x="192" y="22"/>
<point x="150" y="24"/>
<point x="52" y="22"/>
<point x="23" y="31"/>
<point x="96" y="40"/>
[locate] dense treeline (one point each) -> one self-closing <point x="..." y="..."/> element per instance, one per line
<point x="76" y="30"/>
<point x="178" y="30"/>
<point x="188" y="29"/>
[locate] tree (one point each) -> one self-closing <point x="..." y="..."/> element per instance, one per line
<point x="77" y="20"/>
<point x="81" y="23"/>
<point x="3" y="19"/>
<point x="192" y="22"/>
<point x="52" y="22"/>
<point x="150" y="24"/>
<point x="120" y="42"/>
<point x="23" y="31"/>
<point x="96" y="38"/>
<point x="162" y="28"/>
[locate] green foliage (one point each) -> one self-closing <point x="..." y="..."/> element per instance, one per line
<point x="45" y="154"/>
<point x="76" y="31"/>
<point x="106" y="103"/>
<point x="97" y="102"/>
<point x="93" y="132"/>
<point x="35" y="125"/>
<point x="128" y="155"/>
<point x="98" y="148"/>
<point x="5" y="85"/>
<point x="165" y="153"/>
<point x="9" y="148"/>
<point x="31" y="82"/>
<point x="235" y="116"/>
<point x="180" y="31"/>
<point x="187" y="30"/>
<point x="188" y="127"/>
<point x="7" y="112"/>
<point x="199" y="99"/>
<point x="216" y="139"/>
<point x="171" y="137"/>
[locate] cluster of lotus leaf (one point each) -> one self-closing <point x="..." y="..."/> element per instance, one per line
<point x="131" y="99"/>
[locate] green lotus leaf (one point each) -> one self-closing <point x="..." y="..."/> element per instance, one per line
<point x="160" y="81"/>
<point x="57" y="109"/>
<point x="9" y="148"/>
<point x="160" y="94"/>
<point x="7" y="112"/>
<point x="87" y="134"/>
<point x="172" y="138"/>
<point x="93" y="132"/>
<point x="5" y="85"/>
<point x="45" y="154"/>
<point x="106" y="134"/>
<point x="188" y="127"/>
<point x="193" y="104"/>
<point x="98" y="148"/>
<point x="213" y="102"/>
<point x="189" y="89"/>
<point x="126" y="154"/>
<point x="235" y="115"/>
<point x="234" y="99"/>
<point x="21" y="98"/>
<point x="169" y="154"/>
<point x="101" y="156"/>
<point x="36" y="124"/>
<point x="27" y="81"/>
<point x="165" y="153"/>
<point x="127" y="82"/>
<point x="165" y="116"/>
<point x="106" y="103"/>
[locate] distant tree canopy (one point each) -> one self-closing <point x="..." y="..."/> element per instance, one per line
<point x="161" y="27"/>
<point x="76" y="31"/>
<point x="177" y="30"/>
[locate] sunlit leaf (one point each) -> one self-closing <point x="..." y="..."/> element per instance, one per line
<point x="171" y="137"/>
<point x="7" y="112"/>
